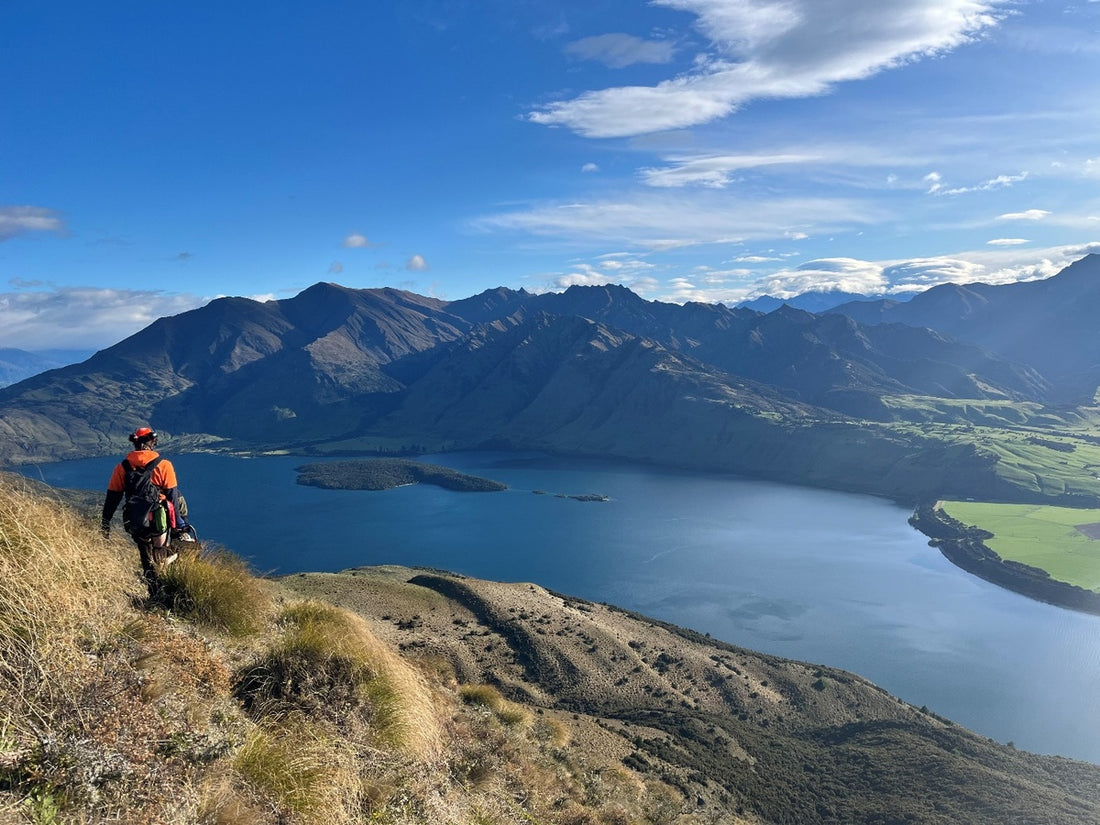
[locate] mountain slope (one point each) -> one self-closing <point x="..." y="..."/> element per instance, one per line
<point x="235" y="368"/>
<point x="739" y="732"/>
<point x="1048" y="324"/>
<point x="818" y="359"/>
<point x="787" y="396"/>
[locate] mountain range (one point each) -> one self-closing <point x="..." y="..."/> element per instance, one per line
<point x="1050" y="325"/>
<point x="17" y="364"/>
<point x="788" y="395"/>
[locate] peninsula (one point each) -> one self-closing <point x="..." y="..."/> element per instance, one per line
<point x="967" y="547"/>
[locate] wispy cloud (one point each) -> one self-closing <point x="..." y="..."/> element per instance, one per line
<point x="715" y="171"/>
<point x="1027" y="215"/>
<point x="660" y="220"/>
<point x="791" y="49"/>
<point x="1008" y="241"/>
<point x="999" y="182"/>
<point x="416" y="263"/>
<point x="620" y="50"/>
<point x="23" y="220"/>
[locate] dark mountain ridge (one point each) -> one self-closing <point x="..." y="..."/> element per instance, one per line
<point x="1049" y="325"/>
<point x="593" y="370"/>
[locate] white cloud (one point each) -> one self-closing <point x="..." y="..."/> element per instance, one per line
<point x="416" y="263"/>
<point x="934" y="181"/>
<point x="335" y="268"/>
<point x="715" y="171"/>
<point x="590" y="167"/>
<point x="663" y="221"/>
<point x="1029" y="215"/>
<point x="584" y="275"/>
<point x="790" y="49"/>
<point x="620" y="50"/>
<point x="824" y="275"/>
<point x="22" y="220"/>
<point x="999" y="182"/>
<point x="1007" y="241"/>
<point x="1004" y="265"/>
<point x="82" y="317"/>
<point x="357" y="241"/>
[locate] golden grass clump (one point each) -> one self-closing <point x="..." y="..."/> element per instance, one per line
<point x="304" y="772"/>
<point x="487" y="696"/>
<point x="330" y="665"/>
<point x="60" y="585"/>
<point x="215" y="588"/>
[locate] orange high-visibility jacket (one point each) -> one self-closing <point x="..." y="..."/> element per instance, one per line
<point x="164" y="474"/>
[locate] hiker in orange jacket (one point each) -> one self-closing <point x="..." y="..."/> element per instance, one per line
<point x="166" y="509"/>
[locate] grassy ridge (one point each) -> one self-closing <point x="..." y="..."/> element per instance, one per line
<point x="237" y="700"/>
<point x="244" y="704"/>
<point x="1040" y="536"/>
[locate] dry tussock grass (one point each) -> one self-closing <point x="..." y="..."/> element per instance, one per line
<point x="487" y="696"/>
<point x="55" y="576"/>
<point x="216" y="589"/>
<point x="308" y="774"/>
<point x="330" y="664"/>
<point x="113" y="713"/>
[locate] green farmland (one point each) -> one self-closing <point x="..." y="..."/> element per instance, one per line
<point x="1054" y="539"/>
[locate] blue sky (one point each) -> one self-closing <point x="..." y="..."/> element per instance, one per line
<point x="154" y="156"/>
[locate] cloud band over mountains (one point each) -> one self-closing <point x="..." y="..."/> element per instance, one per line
<point x="759" y="50"/>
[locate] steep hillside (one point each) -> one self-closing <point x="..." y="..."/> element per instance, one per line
<point x="819" y="360"/>
<point x="1048" y="324"/>
<point x="402" y="696"/>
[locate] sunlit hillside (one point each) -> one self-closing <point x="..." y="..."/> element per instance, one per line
<point x="243" y="704"/>
<point x="394" y="696"/>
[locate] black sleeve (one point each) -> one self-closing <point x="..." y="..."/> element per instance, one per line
<point x="173" y="495"/>
<point x="110" y="504"/>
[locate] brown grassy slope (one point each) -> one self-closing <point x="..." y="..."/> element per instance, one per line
<point x="735" y="731"/>
<point x="233" y="701"/>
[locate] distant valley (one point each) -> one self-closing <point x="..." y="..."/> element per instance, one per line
<point x="943" y="395"/>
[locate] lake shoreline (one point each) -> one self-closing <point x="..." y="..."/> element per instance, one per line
<point x="965" y="547"/>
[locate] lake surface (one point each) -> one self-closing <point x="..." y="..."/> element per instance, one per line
<point x="825" y="577"/>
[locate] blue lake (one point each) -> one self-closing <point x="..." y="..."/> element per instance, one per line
<point x="826" y="577"/>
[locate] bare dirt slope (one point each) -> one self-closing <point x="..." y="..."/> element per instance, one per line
<point x="765" y="738"/>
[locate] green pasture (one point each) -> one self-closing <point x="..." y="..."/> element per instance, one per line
<point x="1038" y="535"/>
<point x="1039" y="451"/>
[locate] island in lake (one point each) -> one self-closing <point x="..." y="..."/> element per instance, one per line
<point x="387" y="473"/>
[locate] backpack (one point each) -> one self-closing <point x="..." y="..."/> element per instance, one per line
<point x="143" y="515"/>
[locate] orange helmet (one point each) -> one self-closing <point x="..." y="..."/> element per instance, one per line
<point x="143" y="434"/>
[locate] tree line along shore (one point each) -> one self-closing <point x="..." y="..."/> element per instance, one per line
<point x="966" y="547"/>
